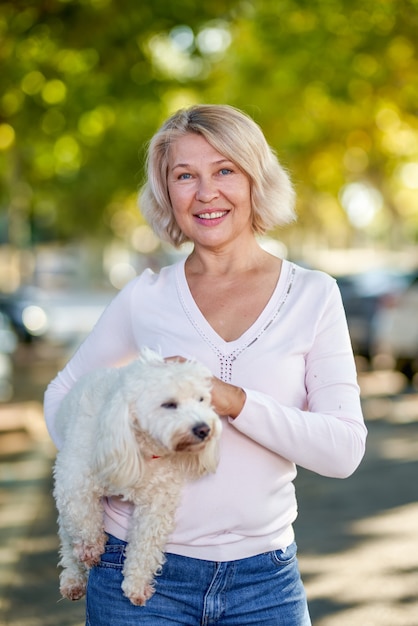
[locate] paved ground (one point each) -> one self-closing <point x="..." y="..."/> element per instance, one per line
<point x="358" y="538"/>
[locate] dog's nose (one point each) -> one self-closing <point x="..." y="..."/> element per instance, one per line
<point x="201" y="431"/>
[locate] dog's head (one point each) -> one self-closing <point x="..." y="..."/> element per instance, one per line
<point x="160" y="408"/>
<point x="171" y="402"/>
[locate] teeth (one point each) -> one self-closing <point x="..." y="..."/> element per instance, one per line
<point x="212" y="216"/>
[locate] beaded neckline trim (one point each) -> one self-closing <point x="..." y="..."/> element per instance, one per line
<point x="226" y="359"/>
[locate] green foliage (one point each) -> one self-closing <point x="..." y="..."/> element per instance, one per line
<point x="80" y="96"/>
<point x="334" y="84"/>
<point x="85" y="83"/>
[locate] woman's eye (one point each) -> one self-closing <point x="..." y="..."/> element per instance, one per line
<point x="185" y="176"/>
<point x="225" y="171"/>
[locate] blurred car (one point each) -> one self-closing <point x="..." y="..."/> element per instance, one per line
<point x="8" y="344"/>
<point x="363" y="294"/>
<point x="58" y="316"/>
<point x="73" y="313"/>
<point x="26" y="309"/>
<point x="395" y="332"/>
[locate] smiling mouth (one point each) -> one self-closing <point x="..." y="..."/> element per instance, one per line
<point x="211" y="216"/>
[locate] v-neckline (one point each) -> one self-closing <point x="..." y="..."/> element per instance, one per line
<point x="248" y="336"/>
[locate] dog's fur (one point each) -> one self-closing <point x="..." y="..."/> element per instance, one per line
<point x="139" y="432"/>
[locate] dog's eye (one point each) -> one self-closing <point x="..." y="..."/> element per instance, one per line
<point x="201" y="399"/>
<point x="169" y="405"/>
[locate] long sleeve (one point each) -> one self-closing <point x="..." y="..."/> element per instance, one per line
<point x="328" y="435"/>
<point x="328" y="444"/>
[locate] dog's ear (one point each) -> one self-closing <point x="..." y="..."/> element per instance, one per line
<point x="149" y="356"/>
<point x="117" y="456"/>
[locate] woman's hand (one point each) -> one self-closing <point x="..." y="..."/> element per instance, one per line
<point x="227" y="400"/>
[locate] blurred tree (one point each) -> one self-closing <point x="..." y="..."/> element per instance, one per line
<point x="334" y="84"/>
<point x="81" y="90"/>
<point x="84" y="83"/>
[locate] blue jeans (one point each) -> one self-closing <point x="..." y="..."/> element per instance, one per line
<point x="264" y="590"/>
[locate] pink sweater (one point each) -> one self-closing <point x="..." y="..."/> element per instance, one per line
<point x="303" y="408"/>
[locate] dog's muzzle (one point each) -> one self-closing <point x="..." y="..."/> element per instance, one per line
<point x="201" y="431"/>
<point x="194" y="439"/>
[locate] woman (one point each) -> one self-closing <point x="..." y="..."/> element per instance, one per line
<point x="275" y="338"/>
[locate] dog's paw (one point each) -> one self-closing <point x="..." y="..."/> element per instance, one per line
<point x="89" y="553"/>
<point x="137" y="596"/>
<point x="73" y="589"/>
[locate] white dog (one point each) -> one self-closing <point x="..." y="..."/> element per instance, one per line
<point x="137" y="432"/>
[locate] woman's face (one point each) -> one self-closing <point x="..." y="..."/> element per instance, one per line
<point x="210" y="195"/>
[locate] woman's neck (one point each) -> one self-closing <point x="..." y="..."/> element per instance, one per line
<point x="226" y="261"/>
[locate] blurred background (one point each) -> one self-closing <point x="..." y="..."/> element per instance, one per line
<point x="84" y="84"/>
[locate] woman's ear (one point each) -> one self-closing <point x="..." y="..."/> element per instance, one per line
<point x="117" y="455"/>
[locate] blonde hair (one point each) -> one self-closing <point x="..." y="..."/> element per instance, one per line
<point x="238" y="138"/>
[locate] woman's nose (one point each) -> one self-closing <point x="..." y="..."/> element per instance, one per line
<point x="206" y="190"/>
